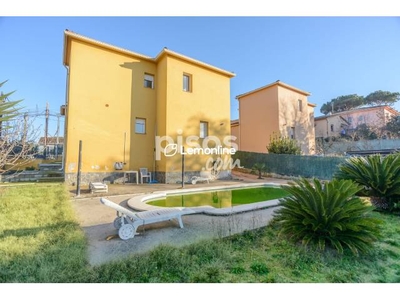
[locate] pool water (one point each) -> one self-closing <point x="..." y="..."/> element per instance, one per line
<point x="221" y="198"/>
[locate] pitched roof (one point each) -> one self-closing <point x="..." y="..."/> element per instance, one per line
<point x="51" y="140"/>
<point x="385" y="107"/>
<point x="68" y="35"/>
<point x="235" y="122"/>
<point x="276" y="83"/>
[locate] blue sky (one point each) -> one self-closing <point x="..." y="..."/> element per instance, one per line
<point x="326" y="56"/>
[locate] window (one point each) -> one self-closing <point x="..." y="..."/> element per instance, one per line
<point x="300" y="105"/>
<point x="331" y="127"/>
<point x="350" y="119"/>
<point x="203" y="129"/>
<point x="140" y="126"/>
<point x="187" y="82"/>
<point x="292" y="133"/>
<point x="148" y="81"/>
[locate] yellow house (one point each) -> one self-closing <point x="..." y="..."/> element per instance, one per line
<point x="276" y="108"/>
<point x="126" y="106"/>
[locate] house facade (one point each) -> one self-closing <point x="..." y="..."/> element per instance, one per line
<point x="126" y="106"/>
<point x="347" y="122"/>
<point x="274" y="109"/>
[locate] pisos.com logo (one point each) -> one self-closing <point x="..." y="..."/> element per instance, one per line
<point x="218" y="150"/>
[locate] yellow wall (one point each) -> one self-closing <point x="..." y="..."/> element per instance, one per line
<point x="107" y="93"/>
<point x="323" y="126"/>
<point x="209" y="101"/>
<point x="104" y="99"/>
<point x="162" y="85"/>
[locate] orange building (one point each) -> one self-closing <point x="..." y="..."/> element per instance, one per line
<point x="276" y="108"/>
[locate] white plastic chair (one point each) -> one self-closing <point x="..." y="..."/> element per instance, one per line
<point x="144" y="173"/>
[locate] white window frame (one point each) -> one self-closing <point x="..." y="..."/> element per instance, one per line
<point x="187" y="84"/>
<point x="140" y="126"/>
<point x="148" y="78"/>
<point x="203" y="129"/>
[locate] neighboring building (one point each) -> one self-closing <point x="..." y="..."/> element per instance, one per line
<point x="235" y="130"/>
<point x="331" y="125"/>
<point x="346" y="122"/>
<point x="53" y="145"/>
<point x="118" y="101"/>
<point x="277" y="108"/>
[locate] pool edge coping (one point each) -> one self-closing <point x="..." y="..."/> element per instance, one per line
<point x="139" y="202"/>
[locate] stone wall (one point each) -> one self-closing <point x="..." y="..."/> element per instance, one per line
<point x="118" y="177"/>
<point x="176" y="177"/>
<point x="86" y="178"/>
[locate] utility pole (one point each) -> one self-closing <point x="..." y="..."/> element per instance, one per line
<point x="1" y="122"/>
<point x="46" y="130"/>
<point x="25" y="131"/>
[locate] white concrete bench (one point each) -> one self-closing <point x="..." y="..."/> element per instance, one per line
<point x="98" y="187"/>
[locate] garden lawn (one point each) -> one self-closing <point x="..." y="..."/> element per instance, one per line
<point x="40" y="241"/>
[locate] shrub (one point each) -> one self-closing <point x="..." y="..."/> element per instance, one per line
<point x="283" y="145"/>
<point x="379" y="175"/>
<point x="327" y="214"/>
<point x="259" y="268"/>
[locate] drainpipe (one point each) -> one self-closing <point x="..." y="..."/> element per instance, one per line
<point x="65" y="119"/>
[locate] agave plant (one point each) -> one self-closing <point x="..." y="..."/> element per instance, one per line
<point x="379" y="175"/>
<point x="327" y="214"/>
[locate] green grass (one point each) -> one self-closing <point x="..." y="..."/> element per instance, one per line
<point x="40" y="241"/>
<point x="251" y="195"/>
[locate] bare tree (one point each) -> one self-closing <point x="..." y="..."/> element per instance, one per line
<point x="16" y="134"/>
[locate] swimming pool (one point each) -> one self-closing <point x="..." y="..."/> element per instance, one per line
<point x="221" y="198"/>
<point x="216" y="204"/>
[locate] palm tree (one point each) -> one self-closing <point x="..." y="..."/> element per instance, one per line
<point x="259" y="168"/>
